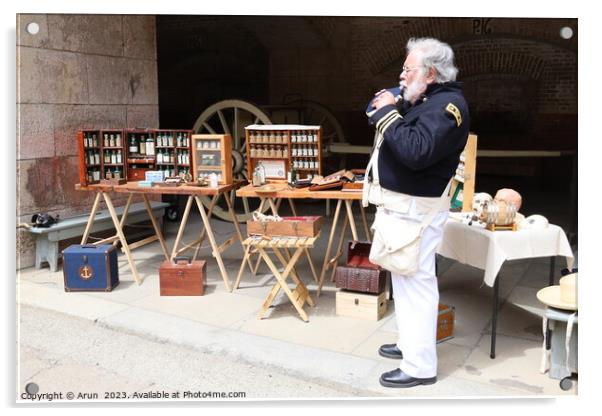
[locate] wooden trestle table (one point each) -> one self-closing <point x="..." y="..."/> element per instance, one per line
<point x="194" y="193"/>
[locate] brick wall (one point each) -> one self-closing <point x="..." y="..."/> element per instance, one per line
<point x="78" y="71"/>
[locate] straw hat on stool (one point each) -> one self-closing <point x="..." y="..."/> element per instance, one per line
<point x="562" y="296"/>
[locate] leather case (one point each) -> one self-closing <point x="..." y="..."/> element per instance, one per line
<point x="360" y="274"/>
<point x="361" y="279"/>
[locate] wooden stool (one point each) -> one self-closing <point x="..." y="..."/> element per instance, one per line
<point x="299" y="295"/>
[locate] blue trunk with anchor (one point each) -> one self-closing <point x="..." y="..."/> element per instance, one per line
<point x="90" y="268"/>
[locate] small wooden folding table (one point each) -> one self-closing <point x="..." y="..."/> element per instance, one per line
<point x="299" y="295"/>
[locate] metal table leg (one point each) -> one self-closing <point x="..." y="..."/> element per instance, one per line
<point x="496" y="294"/>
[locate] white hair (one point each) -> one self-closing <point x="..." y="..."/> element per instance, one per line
<point x="437" y="55"/>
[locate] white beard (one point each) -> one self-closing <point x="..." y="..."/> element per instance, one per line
<point x="413" y="91"/>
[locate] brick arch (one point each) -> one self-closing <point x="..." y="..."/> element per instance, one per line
<point x="500" y="62"/>
<point x="387" y="55"/>
<point x="389" y="49"/>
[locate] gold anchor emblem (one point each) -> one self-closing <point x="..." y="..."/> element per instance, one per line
<point x="85" y="272"/>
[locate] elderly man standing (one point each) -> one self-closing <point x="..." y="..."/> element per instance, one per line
<point x="422" y="132"/>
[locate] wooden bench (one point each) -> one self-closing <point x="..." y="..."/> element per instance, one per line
<point x="47" y="239"/>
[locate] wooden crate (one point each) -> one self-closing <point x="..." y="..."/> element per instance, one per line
<point x="361" y="305"/>
<point x="288" y="227"/>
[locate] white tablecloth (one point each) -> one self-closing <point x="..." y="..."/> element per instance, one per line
<point x="488" y="250"/>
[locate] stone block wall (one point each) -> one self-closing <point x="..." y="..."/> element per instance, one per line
<point x="77" y="72"/>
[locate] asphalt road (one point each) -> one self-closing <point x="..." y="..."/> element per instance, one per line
<point x="65" y="356"/>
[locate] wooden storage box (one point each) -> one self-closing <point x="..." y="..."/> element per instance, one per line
<point x="182" y="277"/>
<point x="445" y="322"/>
<point x="288" y="227"/>
<point x="361" y="305"/>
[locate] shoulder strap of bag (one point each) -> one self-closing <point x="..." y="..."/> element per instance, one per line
<point x="373" y="163"/>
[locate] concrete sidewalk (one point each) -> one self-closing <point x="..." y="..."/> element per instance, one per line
<point x="328" y="348"/>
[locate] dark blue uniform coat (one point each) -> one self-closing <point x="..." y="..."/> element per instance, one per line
<point x="422" y="144"/>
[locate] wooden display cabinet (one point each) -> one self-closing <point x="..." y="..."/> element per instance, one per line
<point x="279" y="147"/>
<point x="112" y="155"/>
<point x="90" y="156"/>
<point x="212" y="153"/>
<point x="101" y="156"/>
<point x="172" y="148"/>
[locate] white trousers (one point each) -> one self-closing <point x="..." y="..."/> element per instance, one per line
<point x="416" y="307"/>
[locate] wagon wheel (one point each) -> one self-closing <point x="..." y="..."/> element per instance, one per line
<point x="314" y="113"/>
<point x="231" y="117"/>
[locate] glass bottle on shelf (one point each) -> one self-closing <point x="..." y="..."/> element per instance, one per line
<point x="111" y="140"/>
<point x="106" y="140"/>
<point x="150" y="146"/>
<point x="118" y="140"/>
<point x="119" y="158"/>
<point x="133" y="146"/>
<point x="142" y="146"/>
<point x="292" y="174"/>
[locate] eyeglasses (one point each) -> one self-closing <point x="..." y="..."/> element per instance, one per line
<point x="407" y="69"/>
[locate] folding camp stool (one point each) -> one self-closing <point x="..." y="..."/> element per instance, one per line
<point x="299" y="295"/>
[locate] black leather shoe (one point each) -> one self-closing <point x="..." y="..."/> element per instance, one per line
<point x="398" y="378"/>
<point x="390" y="351"/>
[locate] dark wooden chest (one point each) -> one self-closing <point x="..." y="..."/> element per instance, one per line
<point x="361" y="279"/>
<point x="360" y="275"/>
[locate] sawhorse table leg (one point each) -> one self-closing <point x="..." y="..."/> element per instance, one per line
<point x="118" y="229"/>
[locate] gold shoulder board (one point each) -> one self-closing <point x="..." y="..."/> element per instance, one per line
<point x="453" y="110"/>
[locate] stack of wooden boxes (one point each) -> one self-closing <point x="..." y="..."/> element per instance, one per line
<point x="362" y="285"/>
<point x="362" y="293"/>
